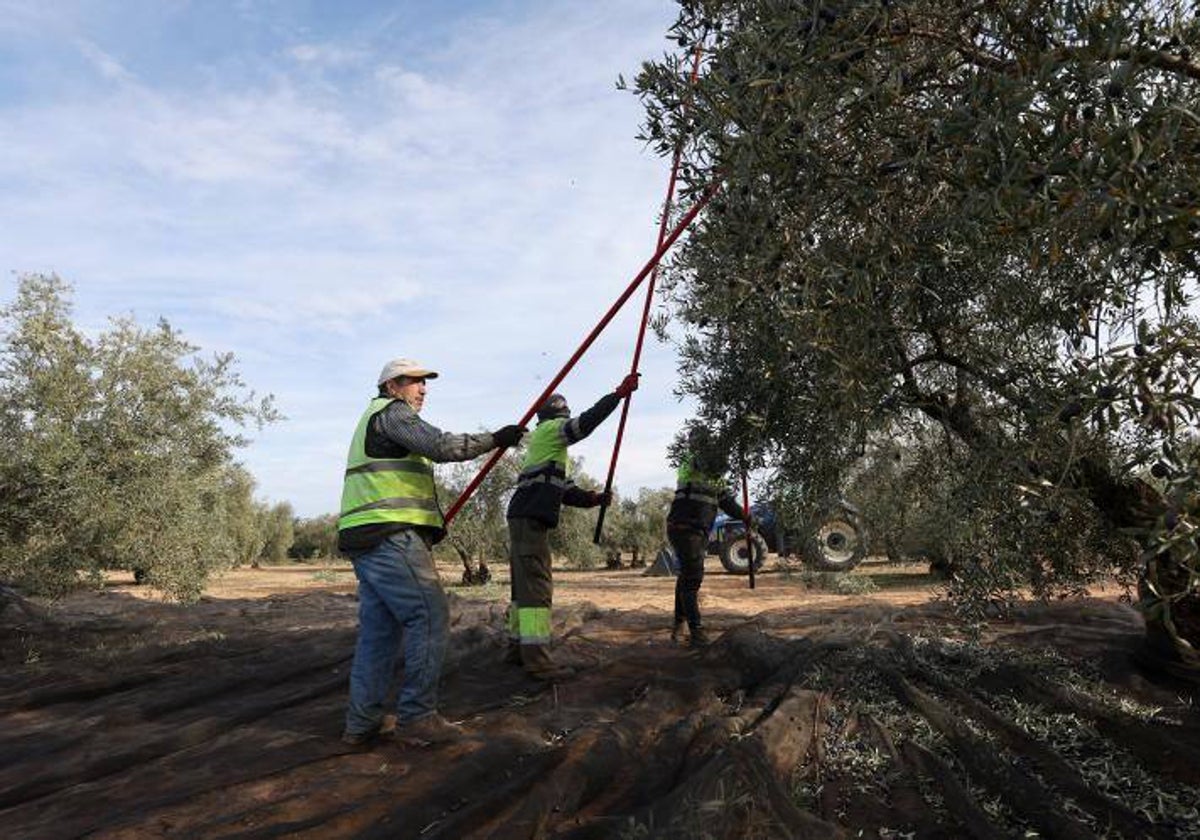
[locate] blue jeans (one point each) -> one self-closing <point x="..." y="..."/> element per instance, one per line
<point x="399" y="594"/>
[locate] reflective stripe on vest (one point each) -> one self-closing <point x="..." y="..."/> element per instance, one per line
<point x="546" y="458"/>
<point x="379" y="490"/>
<point x="514" y="623"/>
<point x="691" y="494"/>
<point x="534" y="625"/>
<point x="544" y="478"/>
<point x="694" y="485"/>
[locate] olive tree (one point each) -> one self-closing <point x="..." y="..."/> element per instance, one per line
<point x="572" y="539"/>
<point x="276" y="525"/>
<point x="315" y="537"/>
<point x="479" y="531"/>
<point x="115" y="450"/>
<point x="242" y="516"/>
<point x="980" y="214"/>
<point x="642" y="527"/>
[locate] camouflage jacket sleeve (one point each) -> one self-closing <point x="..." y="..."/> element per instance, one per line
<point x="400" y="424"/>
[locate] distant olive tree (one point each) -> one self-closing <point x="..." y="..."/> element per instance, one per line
<point x="243" y="516"/>
<point x="276" y="527"/>
<point x="315" y="537"/>
<point x="478" y="535"/>
<point x="613" y="542"/>
<point x="115" y="450"/>
<point x="641" y="528"/>
<point x="571" y="541"/>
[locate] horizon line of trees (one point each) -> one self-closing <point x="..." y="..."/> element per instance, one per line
<point x="117" y="451"/>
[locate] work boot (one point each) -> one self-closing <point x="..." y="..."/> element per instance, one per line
<point x="385" y="729"/>
<point x="431" y="729"/>
<point x="551" y="672"/>
<point x="699" y="638"/>
<point x="676" y="632"/>
<point x="358" y="739"/>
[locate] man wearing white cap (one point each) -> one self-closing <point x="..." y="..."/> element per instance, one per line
<point x="389" y="522"/>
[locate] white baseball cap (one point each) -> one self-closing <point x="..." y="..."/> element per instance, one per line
<point x="405" y="367"/>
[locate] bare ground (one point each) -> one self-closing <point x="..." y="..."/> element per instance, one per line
<point x="814" y="715"/>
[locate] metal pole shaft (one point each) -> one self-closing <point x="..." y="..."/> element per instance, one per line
<point x="678" y="230"/>
<point x="641" y="336"/>
<point x="746" y="519"/>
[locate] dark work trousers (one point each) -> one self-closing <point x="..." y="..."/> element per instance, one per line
<point x="532" y="592"/>
<point x="690" y="546"/>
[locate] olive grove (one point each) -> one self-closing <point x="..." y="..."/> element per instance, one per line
<point x="970" y="222"/>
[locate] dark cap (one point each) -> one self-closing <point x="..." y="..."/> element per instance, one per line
<point x="554" y="406"/>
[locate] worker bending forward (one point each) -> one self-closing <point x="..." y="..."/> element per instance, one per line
<point x="700" y="489"/>
<point x="542" y="489"/>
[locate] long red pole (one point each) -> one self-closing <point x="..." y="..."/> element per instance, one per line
<point x="678" y="230"/>
<point x="746" y="517"/>
<point x="641" y="336"/>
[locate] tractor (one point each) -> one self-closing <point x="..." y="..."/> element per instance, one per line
<point x="834" y="542"/>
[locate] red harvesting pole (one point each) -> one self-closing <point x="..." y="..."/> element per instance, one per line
<point x="678" y="230"/>
<point x="641" y="336"/>
<point x="746" y="517"/>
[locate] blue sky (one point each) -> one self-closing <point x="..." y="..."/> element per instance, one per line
<point x="320" y="186"/>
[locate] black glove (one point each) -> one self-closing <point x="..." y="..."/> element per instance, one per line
<point x="597" y="498"/>
<point x="508" y="436"/>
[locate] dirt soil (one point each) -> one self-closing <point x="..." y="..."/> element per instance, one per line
<point x="812" y="715"/>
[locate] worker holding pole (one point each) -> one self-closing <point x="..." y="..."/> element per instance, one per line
<point x="700" y="489"/>
<point x="543" y="487"/>
<point x="389" y="522"/>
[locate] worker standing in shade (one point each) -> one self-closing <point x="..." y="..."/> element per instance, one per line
<point x="543" y="487"/>
<point x="700" y="489"/>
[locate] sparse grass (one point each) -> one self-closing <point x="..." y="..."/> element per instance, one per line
<point x="839" y="583"/>
<point x="493" y="590"/>
<point x="333" y="576"/>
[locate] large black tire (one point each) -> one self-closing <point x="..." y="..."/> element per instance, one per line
<point x="837" y="543"/>
<point x="733" y="553"/>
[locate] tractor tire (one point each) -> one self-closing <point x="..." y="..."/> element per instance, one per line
<point x="838" y="543"/>
<point x="733" y="553"/>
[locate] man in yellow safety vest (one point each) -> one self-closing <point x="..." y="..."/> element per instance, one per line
<point x="390" y="519"/>
<point x="542" y="489"/>
<point x="699" y="491"/>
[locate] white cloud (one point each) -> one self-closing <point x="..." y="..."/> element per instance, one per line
<point x="108" y="66"/>
<point x="330" y="310"/>
<point x="326" y="55"/>
<point x="341" y="202"/>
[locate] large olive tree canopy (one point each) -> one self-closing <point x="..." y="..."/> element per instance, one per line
<point x="117" y="451"/>
<point x="976" y="216"/>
